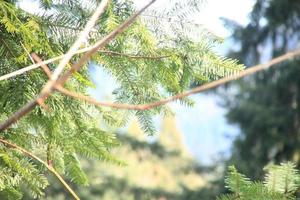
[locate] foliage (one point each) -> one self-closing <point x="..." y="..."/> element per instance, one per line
<point x="265" y="106"/>
<point x="281" y="182"/>
<point x="71" y="129"/>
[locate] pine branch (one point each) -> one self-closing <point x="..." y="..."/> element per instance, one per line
<point x="8" y="48"/>
<point x="49" y="167"/>
<point x="50" y="86"/>
<point x="82" y="37"/>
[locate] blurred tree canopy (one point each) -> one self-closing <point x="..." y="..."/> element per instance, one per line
<point x="161" y="169"/>
<point x="266" y="106"/>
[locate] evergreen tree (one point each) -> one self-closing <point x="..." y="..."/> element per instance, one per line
<point x="266" y="104"/>
<point x="147" y="64"/>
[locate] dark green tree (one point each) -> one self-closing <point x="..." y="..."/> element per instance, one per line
<point x="266" y="106"/>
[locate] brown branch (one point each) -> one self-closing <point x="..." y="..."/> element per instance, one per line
<point x="45" y="68"/>
<point x="99" y="103"/>
<point x="47" y="71"/>
<point x="74" y="94"/>
<point x="198" y="89"/>
<point x="50" y="168"/>
<point x="50" y="88"/>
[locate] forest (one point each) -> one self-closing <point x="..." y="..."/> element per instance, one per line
<point x="90" y="90"/>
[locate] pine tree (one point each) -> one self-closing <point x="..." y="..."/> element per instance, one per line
<point x="147" y="64"/>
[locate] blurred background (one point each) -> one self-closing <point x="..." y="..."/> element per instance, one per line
<point x="248" y="123"/>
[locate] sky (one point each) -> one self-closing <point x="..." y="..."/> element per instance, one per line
<point x="204" y="127"/>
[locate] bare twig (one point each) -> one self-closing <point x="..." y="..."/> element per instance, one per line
<point x="49" y="167"/>
<point x="198" y="89"/>
<point x="47" y="72"/>
<point x="27" y="52"/>
<point x="111" y="53"/>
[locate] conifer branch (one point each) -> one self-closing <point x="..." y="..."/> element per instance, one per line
<point x="9" y="50"/>
<point x="214" y="84"/>
<point x="49" y="167"/>
<point x="50" y="86"/>
<point x="100" y="44"/>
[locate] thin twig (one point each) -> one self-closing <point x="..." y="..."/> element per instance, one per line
<point x="41" y="103"/>
<point x="47" y="72"/>
<point x="49" y="167"/>
<point x="43" y="95"/>
<point x="198" y="89"/>
<point x="112" y="53"/>
<point x="27" y="52"/>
